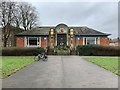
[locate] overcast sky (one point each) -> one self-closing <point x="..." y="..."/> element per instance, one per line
<point x="101" y="16"/>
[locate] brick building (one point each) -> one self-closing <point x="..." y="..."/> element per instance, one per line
<point x="61" y="35"/>
<point x="115" y="42"/>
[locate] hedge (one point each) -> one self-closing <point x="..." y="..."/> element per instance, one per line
<point x="17" y="51"/>
<point x="61" y="50"/>
<point x="97" y="50"/>
<point x="86" y="50"/>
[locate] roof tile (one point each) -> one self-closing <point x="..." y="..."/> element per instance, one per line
<point x="78" y="31"/>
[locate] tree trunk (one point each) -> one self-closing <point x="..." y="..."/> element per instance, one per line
<point x="5" y="42"/>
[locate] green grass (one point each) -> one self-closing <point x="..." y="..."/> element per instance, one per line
<point x="11" y="64"/>
<point x="109" y="63"/>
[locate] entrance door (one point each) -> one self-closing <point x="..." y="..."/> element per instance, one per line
<point x="61" y="39"/>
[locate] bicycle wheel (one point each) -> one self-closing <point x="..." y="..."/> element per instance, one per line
<point x="36" y="58"/>
<point x="45" y="59"/>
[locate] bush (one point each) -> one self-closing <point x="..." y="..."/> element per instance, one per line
<point x="61" y="50"/>
<point x="50" y="51"/>
<point x="73" y="51"/>
<point x="96" y="50"/>
<point x="17" y="51"/>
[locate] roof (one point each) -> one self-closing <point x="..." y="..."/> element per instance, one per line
<point x="87" y="31"/>
<point x="36" y="31"/>
<point x="78" y="31"/>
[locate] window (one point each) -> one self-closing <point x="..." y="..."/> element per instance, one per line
<point x="33" y="42"/>
<point x="90" y="41"/>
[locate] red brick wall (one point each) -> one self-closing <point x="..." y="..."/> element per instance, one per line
<point x="104" y="41"/>
<point x="81" y="41"/>
<point x="51" y="42"/>
<point x="20" y="42"/>
<point x="43" y="42"/>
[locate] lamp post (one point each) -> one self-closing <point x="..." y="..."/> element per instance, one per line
<point x="51" y="38"/>
<point x="71" y="37"/>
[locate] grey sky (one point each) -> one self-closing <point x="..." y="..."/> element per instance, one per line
<point x="102" y="16"/>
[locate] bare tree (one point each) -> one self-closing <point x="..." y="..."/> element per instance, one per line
<point x="32" y="20"/>
<point x="20" y="14"/>
<point x="17" y="16"/>
<point x="7" y="17"/>
<point x="29" y="16"/>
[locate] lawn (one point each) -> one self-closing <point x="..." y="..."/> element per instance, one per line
<point x="11" y="64"/>
<point x="109" y="63"/>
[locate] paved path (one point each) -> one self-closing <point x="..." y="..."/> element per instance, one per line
<point x="62" y="72"/>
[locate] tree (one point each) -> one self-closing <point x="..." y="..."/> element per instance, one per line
<point x="20" y="15"/>
<point x="7" y="17"/>
<point x="29" y="16"/>
<point x="17" y="16"/>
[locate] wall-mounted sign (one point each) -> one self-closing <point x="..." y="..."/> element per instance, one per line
<point x="62" y="30"/>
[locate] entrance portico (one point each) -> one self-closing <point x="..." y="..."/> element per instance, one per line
<point x="62" y="35"/>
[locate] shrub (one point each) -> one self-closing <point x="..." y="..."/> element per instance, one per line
<point x="50" y="51"/>
<point x="97" y="50"/>
<point x="17" y="51"/>
<point x="61" y="50"/>
<point x="73" y="51"/>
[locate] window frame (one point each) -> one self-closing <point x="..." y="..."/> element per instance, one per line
<point x="86" y="40"/>
<point x="37" y="40"/>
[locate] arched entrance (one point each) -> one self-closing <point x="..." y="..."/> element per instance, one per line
<point x="61" y="35"/>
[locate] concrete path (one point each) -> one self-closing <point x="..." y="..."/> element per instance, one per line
<point x="62" y="72"/>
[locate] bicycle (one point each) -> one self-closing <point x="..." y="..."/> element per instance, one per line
<point x="41" y="56"/>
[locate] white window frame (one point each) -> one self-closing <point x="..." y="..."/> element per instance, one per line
<point x="98" y="40"/>
<point x="83" y="40"/>
<point x="38" y="42"/>
<point x="95" y="41"/>
<point x="86" y="38"/>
